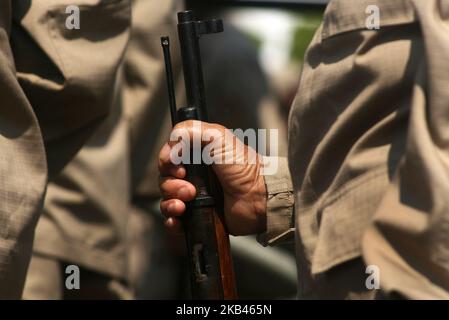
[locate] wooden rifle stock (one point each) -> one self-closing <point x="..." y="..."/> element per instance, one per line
<point x="209" y="252"/>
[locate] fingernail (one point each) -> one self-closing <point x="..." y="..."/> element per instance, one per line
<point x="171" y="207"/>
<point x="180" y="171"/>
<point x="184" y="193"/>
<point x="169" y="222"/>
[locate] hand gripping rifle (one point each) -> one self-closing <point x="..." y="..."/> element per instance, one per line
<point x="209" y="254"/>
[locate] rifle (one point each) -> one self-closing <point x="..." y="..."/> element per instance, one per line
<point x="209" y="253"/>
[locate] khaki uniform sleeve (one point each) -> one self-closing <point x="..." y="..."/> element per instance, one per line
<point x="409" y="238"/>
<point x="280" y="203"/>
<point x="22" y="169"/>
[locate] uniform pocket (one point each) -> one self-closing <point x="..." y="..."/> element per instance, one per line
<point x="69" y="75"/>
<point x="344" y="218"/>
<point x="91" y="54"/>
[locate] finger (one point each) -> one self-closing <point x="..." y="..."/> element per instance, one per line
<point x="194" y="130"/>
<point x="166" y="166"/>
<point x="172" y="208"/>
<point x="172" y="188"/>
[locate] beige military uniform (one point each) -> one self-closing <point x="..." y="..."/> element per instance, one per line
<point x="88" y="206"/>
<point x="368" y="154"/>
<point x="55" y="89"/>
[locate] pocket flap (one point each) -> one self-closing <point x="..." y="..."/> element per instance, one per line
<point x="344" y="220"/>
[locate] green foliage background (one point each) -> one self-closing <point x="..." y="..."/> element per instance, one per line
<point x="303" y="34"/>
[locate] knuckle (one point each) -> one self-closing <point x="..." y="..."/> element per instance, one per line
<point x="161" y="182"/>
<point x="163" y="206"/>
